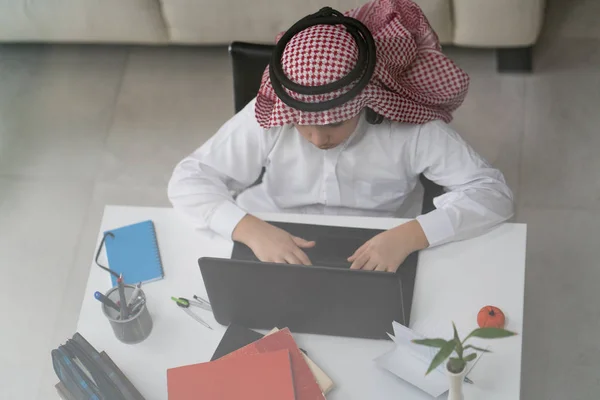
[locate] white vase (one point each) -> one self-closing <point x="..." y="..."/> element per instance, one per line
<point x="456" y="385"/>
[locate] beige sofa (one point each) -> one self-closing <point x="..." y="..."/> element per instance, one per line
<point x="508" y="24"/>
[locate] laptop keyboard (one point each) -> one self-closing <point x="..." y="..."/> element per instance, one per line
<point x="333" y="251"/>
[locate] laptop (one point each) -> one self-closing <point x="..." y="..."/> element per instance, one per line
<point x="326" y="298"/>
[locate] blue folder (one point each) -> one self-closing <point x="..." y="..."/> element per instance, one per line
<point x="132" y="250"/>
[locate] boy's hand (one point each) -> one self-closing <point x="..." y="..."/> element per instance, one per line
<point x="269" y="243"/>
<point x="386" y="251"/>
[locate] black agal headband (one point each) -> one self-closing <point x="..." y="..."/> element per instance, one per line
<point x="361" y="73"/>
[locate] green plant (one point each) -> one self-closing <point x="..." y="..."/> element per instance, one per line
<point x="457" y="364"/>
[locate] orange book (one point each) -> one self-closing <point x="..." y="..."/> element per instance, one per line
<point x="265" y="376"/>
<point x="305" y="382"/>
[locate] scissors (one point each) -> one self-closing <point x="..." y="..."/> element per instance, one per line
<point x="185" y="305"/>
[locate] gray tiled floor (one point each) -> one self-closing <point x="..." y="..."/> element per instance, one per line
<point x="81" y="127"/>
<point x="561" y="352"/>
<point x="170" y="101"/>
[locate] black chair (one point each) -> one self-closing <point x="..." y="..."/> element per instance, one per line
<point x="249" y="61"/>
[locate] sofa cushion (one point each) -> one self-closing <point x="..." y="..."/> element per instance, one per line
<point x="134" y="21"/>
<point x="498" y="23"/>
<point x="223" y="21"/>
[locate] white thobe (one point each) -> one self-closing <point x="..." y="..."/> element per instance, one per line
<point x="372" y="174"/>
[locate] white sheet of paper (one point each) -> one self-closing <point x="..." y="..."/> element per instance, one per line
<point x="403" y="337"/>
<point x="410" y="361"/>
<point x="435" y="384"/>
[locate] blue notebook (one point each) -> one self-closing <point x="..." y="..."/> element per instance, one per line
<point x="133" y="252"/>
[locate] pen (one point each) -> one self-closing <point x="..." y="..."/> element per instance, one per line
<point x="106" y="301"/>
<point x="137" y="307"/>
<point x="135" y="304"/>
<point x="123" y="305"/>
<point x="136" y="291"/>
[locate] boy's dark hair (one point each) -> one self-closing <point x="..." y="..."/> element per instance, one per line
<point x="373" y="118"/>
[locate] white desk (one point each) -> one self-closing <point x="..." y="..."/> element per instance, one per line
<point x="453" y="283"/>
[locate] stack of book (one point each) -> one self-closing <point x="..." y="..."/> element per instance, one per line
<point x="249" y="366"/>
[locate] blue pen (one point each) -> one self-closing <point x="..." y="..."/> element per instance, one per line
<point x="106" y="301"/>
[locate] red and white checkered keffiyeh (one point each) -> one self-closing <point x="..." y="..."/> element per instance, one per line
<point x="413" y="81"/>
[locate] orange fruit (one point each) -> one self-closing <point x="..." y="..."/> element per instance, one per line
<point x="491" y="317"/>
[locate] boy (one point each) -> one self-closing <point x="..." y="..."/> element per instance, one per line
<point x="352" y="109"/>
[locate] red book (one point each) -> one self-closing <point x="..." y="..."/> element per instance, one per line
<point x="305" y="383"/>
<point x="266" y="376"/>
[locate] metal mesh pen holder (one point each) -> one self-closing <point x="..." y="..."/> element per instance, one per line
<point x="137" y="326"/>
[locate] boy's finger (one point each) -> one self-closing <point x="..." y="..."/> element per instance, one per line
<point x="358" y="252"/>
<point x="302" y="257"/>
<point x="292" y="259"/>
<point x="360" y="261"/>
<point x="381" y="268"/>
<point x="354" y="256"/>
<point x="370" y="265"/>
<point x="302" y="243"/>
